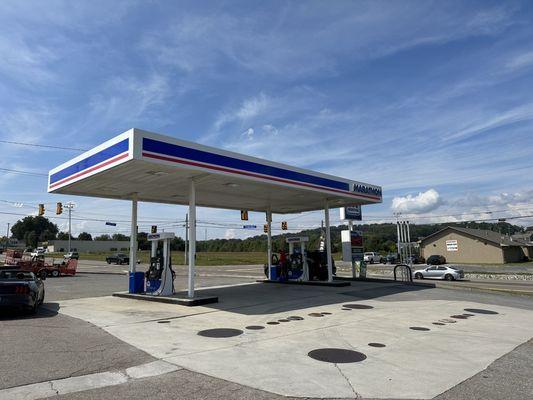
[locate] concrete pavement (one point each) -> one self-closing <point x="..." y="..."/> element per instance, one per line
<point x="264" y="358"/>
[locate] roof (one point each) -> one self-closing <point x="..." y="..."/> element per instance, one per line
<point x="159" y="169"/>
<point x="489" y="236"/>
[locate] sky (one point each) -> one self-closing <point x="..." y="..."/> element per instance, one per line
<point x="430" y="100"/>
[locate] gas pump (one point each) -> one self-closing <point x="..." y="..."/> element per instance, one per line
<point x="160" y="277"/>
<point x="298" y="258"/>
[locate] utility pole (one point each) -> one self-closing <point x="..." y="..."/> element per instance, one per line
<point x="7" y="236"/>
<point x="69" y="207"/>
<point x="186" y="236"/>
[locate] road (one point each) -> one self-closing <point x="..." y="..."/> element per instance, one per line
<point x="53" y="346"/>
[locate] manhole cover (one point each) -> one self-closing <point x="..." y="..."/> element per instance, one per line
<point x="284" y="320"/>
<point x="336" y="356"/>
<point x="459" y="316"/>
<point x="295" y="318"/>
<point x="418" y="328"/>
<point x="376" y="344"/>
<point x="220" y="332"/>
<point x="272" y="323"/>
<point x="438" y="323"/>
<point x="358" y="306"/>
<point x="480" y="311"/>
<point x="315" y="314"/>
<point x="255" y="327"/>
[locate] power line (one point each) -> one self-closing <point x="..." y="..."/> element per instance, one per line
<point x="16" y="171"/>
<point x="41" y="145"/>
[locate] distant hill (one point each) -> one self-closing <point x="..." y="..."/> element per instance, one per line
<point x="377" y="237"/>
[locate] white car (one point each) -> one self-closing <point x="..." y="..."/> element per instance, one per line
<point x="439" y="272"/>
<point x="371" y="257"/>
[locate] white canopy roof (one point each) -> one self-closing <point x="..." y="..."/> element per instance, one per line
<point x="159" y="169"/>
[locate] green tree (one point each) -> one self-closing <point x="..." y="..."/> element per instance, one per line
<point x="120" y="236"/>
<point x="39" y="227"/>
<point x="85" y="236"/>
<point x="62" y="236"/>
<point x="103" y="237"/>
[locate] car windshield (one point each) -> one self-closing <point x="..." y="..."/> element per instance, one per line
<point x="16" y="275"/>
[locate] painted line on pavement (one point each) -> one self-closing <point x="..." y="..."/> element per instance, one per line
<point x="87" y="382"/>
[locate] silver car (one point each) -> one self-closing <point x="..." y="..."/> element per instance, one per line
<point x="439" y="272"/>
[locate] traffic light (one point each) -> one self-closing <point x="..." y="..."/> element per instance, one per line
<point x="154" y="229"/>
<point x="244" y="215"/>
<point x="265" y="228"/>
<point x="41" y="210"/>
<point x="284" y="225"/>
<point x="59" y="208"/>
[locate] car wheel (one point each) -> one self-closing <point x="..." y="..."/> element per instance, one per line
<point x="108" y="261"/>
<point x="449" y="277"/>
<point x="418" y="275"/>
<point x="55" y="273"/>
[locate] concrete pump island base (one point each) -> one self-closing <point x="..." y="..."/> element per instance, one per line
<point x="143" y="166"/>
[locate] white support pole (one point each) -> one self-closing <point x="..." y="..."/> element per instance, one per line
<point x="398" y="240"/>
<point x="409" y="243"/>
<point x="269" y="242"/>
<point x="192" y="237"/>
<point x="328" y="242"/>
<point x="133" y="234"/>
<point x="350" y="228"/>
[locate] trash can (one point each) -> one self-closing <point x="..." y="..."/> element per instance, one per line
<point x="274" y="273"/>
<point x="136" y="282"/>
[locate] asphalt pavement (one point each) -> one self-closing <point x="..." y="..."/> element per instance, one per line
<point x="52" y="346"/>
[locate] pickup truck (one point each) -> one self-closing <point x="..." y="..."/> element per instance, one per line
<point x="119" y="258"/>
<point x="371" y="257"/>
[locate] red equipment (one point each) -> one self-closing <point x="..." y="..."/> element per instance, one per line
<point x="37" y="264"/>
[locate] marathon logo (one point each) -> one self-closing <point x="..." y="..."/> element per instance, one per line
<point x="365" y="189"/>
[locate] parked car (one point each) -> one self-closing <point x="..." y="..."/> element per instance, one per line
<point x="73" y="255"/>
<point x="391" y="258"/>
<point x="21" y="290"/>
<point x="440" y="272"/>
<point x="436" y="260"/>
<point x="371" y="257"/>
<point x="416" y="259"/>
<point x="119" y="258"/>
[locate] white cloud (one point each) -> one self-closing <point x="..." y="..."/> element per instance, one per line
<point x="248" y="133"/>
<point x="230" y="234"/>
<point x="421" y="203"/>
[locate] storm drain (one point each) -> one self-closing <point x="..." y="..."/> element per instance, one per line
<point x="418" y="328"/>
<point x="480" y="311"/>
<point x="255" y="327"/>
<point x="315" y="314"/>
<point x="336" y="356"/>
<point x="376" y="344"/>
<point x="220" y="332"/>
<point x="273" y="323"/>
<point x="295" y="318"/>
<point x="357" y="306"/>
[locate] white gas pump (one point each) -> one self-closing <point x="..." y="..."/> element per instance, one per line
<point x="300" y="241"/>
<point x="159" y="278"/>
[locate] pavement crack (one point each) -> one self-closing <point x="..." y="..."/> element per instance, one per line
<point x="355" y="394"/>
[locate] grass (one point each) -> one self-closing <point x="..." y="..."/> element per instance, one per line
<point x="202" y="258"/>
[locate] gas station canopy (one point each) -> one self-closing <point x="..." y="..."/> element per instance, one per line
<point x="157" y="168"/>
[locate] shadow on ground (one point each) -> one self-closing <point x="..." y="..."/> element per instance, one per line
<point x="47" y="310"/>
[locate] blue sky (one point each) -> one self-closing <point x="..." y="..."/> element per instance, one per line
<point x="431" y="100"/>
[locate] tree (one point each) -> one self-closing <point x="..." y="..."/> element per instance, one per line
<point x="120" y="236"/>
<point x="85" y="236"/>
<point x="104" y="238"/>
<point x="39" y="227"/>
<point x="62" y="236"/>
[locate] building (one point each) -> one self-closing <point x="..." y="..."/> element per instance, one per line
<point x="464" y="245"/>
<point x="88" y="246"/>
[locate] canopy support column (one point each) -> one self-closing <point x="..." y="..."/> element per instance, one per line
<point x="192" y="237"/>
<point x="328" y="242"/>
<point x="133" y="234"/>
<point x="269" y="242"/>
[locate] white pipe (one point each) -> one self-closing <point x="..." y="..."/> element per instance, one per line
<point x="328" y="242"/>
<point x="269" y="242"/>
<point x="409" y="242"/>
<point x="133" y="234"/>
<point x="192" y="237"/>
